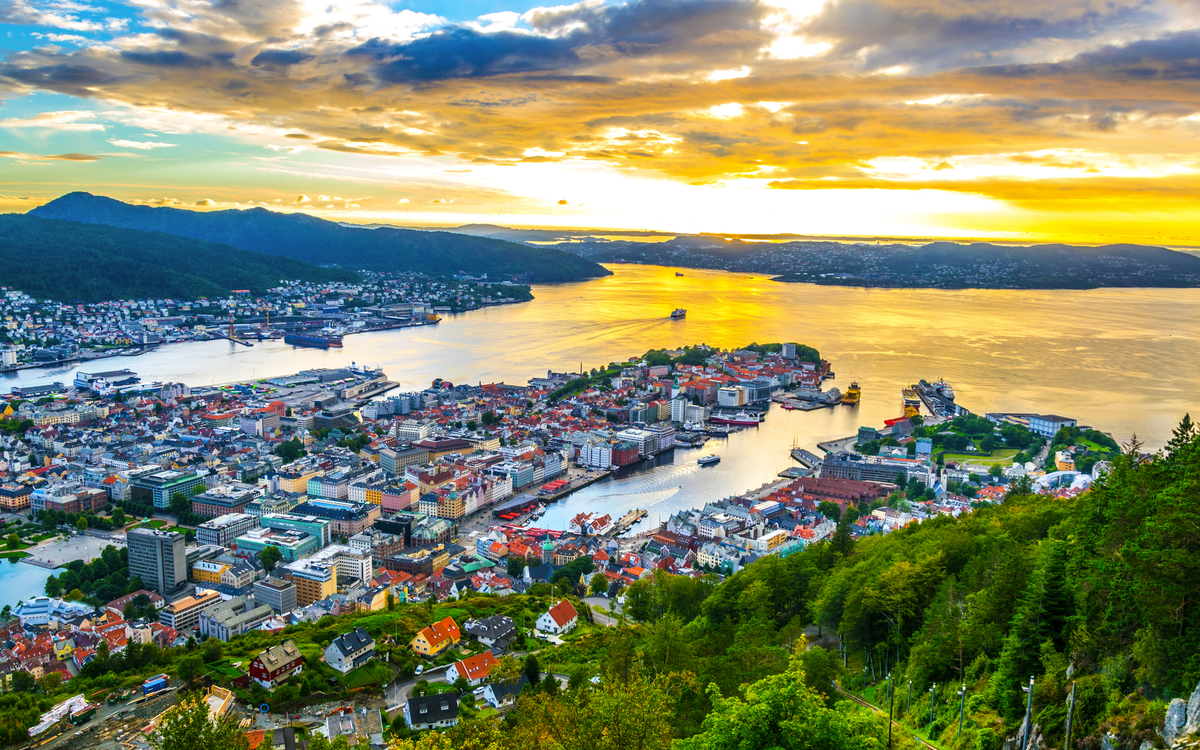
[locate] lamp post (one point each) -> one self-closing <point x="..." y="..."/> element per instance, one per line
<point x="1026" y="727"/>
<point x="962" y="703"/>
<point x="932" y="697"/>
<point x="889" y="689"/>
<point x="908" y="706"/>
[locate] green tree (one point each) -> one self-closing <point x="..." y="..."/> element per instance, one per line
<point x="188" y="726"/>
<point x="830" y="510"/>
<point x="213" y="649"/>
<point x="599" y="584"/>
<point x="270" y="557"/>
<point x="532" y="670"/>
<point x="14" y="541"/>
<point x="180" y="504"/>
<point x="23" y="682"/>
<point x="782" y="712"/>
<point x="118" y="517"/>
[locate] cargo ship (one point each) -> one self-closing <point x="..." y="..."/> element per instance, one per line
<point x="853" y="394"/>
<point x="910" y="396"/>
<point x="747" y="419"/>
<point x="678" y="314"/>
<point x="318" y="342"/>
<point x="709" y="460"/>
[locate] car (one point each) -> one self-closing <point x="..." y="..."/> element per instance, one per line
<point x="478" y="691"/>
<point x="419" y="670"/>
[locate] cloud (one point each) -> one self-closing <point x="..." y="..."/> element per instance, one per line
<point x="141" y="145"/>
<point x="302" y="199"/>
<point x="206" y="202"/>
<point x="51" y="157"/>
<point x="63" y="120"/>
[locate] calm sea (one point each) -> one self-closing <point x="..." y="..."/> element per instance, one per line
<point x="1122" y="360"/>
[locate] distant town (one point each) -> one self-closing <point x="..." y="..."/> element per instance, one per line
<point x="244" y="516"/>
<point x="45" y="332"/>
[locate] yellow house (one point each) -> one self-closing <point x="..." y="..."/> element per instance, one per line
<point x="207" y="571"/>
<point x="375" y="495"/>
<point x="436" y="638"/>
<point x="63" y="648"/>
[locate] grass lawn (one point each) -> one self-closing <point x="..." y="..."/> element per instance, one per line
<point x="372" y="674"/>
<point x="44" y="537"/>
<point x="13" y="555"/>
<point x="1002" y="456"/>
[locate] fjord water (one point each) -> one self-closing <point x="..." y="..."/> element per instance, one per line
<point x="1122" y="360"/>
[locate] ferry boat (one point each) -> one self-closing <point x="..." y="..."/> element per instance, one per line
<point x="750" y="419"/>
<point x="943" y="389"/>
<point x="709" y="460"/>
<point x="317" y="342"/>
<point x="853" y="394"/>
<point x="678" y="314"/>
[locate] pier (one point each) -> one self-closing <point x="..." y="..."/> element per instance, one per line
<point x="627" y="520"/>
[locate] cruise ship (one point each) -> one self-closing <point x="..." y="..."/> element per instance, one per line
<point x="943" y="389"/>
<point x="317" y="342"/>
<point x="744" y="418"/>
<point x="853" y="394"/>
<point x="678" y="314"/>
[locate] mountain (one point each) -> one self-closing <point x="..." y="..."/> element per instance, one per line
<point x="323" y="242"/>
<point x="66" y="260"/>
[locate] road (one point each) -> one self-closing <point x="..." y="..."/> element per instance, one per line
<point x="606" y="603"/>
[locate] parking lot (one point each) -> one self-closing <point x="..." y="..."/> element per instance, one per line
<point x="56" y="554"/>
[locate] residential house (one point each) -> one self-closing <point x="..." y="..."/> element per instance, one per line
<point x="436" y="638"/>
<point x="559" y="619"/>
<point x="349" y="651"/>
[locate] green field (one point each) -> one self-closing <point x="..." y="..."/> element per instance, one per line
<point x="13" y="555"/>
<point x="1002" y="456"/>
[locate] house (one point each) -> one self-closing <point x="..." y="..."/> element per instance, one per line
<point x="350" y="651"/>
<point x="362" y="727"/>
<point x="437" y="638"/>
<point x="501" y="694"/>
<point x="276" y="664"/>
<point x="493" y="632"/>
<point x="561" y="618"/>
<point x="429" y="711"/>
<point x="473" y="669"/>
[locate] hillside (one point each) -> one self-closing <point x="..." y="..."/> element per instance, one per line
<point x="66" y="260"/>
<point x="323" y="242"/>
<point x="947" y="265"/>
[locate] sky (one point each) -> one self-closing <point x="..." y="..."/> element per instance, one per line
<point x="1068" y="120"/>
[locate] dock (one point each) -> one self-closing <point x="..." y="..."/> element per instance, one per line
<point x="806" y="458"/>
<point x="590" y="477"/>
<point x="627" y="520"/>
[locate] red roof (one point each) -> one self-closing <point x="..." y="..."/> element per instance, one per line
<point x="563" y="612"/>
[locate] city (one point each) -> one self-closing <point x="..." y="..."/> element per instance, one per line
<point x="266" y="506"/>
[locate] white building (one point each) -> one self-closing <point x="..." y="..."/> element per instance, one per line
<point x="559" y="619"/>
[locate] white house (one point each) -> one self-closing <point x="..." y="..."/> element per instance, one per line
<point x="473" y="669"/>
<point x="350" y="651"/>
<point x="559" y="619"/>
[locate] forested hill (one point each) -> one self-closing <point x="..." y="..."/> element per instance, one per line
<point x="323" y="242"/>
<point x="65" y="260"/>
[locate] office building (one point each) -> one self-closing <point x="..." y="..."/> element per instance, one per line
<point x="319" y="528"/>
<point x="346" y="518"/>
<point x="184" y="614"/>
<point x="158" y="488"/>
<point x="223" y="530"/>
<point x="157" y="557"/>
<point x="226" y="499"/>
<point x="276" y="593"/>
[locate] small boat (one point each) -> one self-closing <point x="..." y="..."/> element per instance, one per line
<point x="678" y="273"/>
<point x="678" y="314"/>
<point x="709" y="460"/>
<point x="852" y="395"/>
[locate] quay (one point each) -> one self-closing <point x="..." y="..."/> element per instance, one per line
<point x="806" y="458"/>
<point x="589" y="477"/>
<point x="837" y="444"/>
<point x="627" y="520"/>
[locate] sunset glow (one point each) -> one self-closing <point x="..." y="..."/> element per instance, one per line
<point x="999" y="119"/>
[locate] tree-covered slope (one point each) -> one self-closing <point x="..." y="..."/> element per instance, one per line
<point x="65" y="260"/>
<point x="318" y="241"/>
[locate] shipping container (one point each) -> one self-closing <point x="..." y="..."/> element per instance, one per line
<point x="154" y="684"/>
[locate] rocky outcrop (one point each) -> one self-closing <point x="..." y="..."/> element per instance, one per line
<point x="1183" y="718"/>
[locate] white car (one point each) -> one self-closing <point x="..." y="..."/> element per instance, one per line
<point x="419" y="670"/>
<point x="478" y="691"/>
